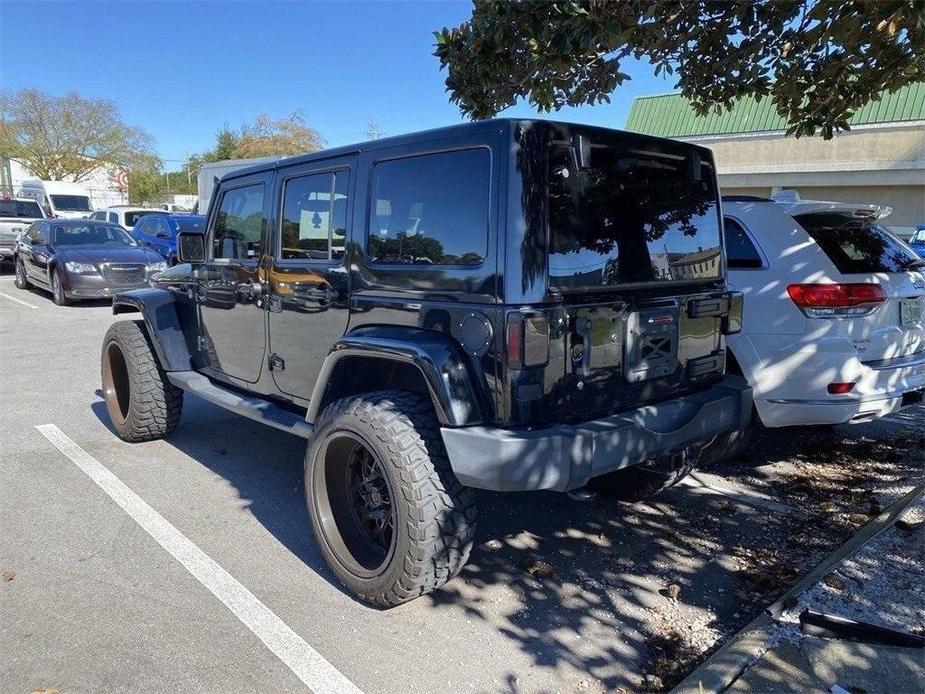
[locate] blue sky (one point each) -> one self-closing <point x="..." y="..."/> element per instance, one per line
<point x="180" y="70"/>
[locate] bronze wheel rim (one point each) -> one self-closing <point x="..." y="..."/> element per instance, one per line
<point x="355" y="504"/>
<point x="116" y="384"/>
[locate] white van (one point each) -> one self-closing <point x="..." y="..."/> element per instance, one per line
<point x="61" y="199"/>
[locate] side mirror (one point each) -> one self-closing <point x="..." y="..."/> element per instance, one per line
<point x="191" y="247"/>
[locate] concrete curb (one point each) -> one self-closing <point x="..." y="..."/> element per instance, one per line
<point x="743" y="650"/>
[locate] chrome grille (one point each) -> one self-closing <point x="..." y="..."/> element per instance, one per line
<point x="123" y="274"/>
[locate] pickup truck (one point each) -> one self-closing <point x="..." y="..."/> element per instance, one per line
<point x="16" y="214"/>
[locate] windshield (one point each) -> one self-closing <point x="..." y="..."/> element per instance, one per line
<point x="20" y="208"/>
<point x="131" y="218"/>
<point x="630" y="216"/>
<point x="191" y="223"/>
<point x="857" y="246"/>
<point x="918" y="236"/>
<point x="91" y="235"/>
<point x="71" y="203"/>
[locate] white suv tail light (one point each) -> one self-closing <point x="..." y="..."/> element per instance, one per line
<point x="836" y="300"/>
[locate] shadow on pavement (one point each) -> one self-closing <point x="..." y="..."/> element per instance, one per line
<point x="582" y="589"/>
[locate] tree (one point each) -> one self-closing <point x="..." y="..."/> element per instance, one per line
<point x="266" y="137"/>
<point x="67" y="137"/>
<point x="819" y="61"/>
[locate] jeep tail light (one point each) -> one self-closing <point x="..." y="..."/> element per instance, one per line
<point x="527" y="338"/>
<point x="839" y="388"/>
<point x="836" y="300"/>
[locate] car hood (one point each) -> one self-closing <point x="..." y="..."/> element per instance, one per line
<point x="108" y="254"/>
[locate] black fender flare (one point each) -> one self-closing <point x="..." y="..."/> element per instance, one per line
<point x="159" y="313"/>
<point x="441" y="361"/>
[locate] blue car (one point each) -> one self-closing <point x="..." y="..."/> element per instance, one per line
<point x="918" y="240"/>
<point x="158" y="232"/>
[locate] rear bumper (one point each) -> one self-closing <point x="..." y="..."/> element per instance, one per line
<point x="880" y="389"/>
<point x="6" y="250"/>
<point x="566" y="457"/>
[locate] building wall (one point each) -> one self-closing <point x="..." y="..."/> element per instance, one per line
<point x="883" y="165"/>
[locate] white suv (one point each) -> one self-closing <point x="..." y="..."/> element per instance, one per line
<point x="833" y="326"/>
<point x="123" y="215"/>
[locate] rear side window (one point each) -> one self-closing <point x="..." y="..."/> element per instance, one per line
<point x="857" y="246"/>
<point x="740" y="251"/>
<point x="430" y="209"/>
<point x="314" y="224"/>
<point x="239" y="224"/>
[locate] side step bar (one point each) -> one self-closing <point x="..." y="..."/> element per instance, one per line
<point x="258" y="409"/>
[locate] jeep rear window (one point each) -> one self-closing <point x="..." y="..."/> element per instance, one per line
<point x="856" y="245"/>
<point x="630" y="215"/>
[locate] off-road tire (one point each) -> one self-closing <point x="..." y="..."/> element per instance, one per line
<point x="642" y="482"/>
<point x="434" y="522"/>
<point x="142" y="404"/>
<point x="20" y="279"/>
<point x="57" y="288"/>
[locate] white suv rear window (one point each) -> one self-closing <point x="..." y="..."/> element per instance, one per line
<point x="857" y="246"/>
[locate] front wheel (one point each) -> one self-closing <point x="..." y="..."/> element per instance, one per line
<point x="390" y="517"/>
<point x="57" y="288"/>
<point x="142" y="404"/>
<point x="21" y="281"/>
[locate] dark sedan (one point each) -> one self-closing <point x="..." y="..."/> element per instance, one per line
<point x="82" y="259"/>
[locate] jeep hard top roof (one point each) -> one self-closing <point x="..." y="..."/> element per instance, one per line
<point x="484" y="126"/>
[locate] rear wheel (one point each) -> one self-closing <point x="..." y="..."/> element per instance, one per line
<point x="57" y="288"/>
<point x="732" y="444"/>
<point x="21" y="281"/>
<point x="391" y="519"/>
<point x="142" y="404"/>
<point x="641" y="482"/>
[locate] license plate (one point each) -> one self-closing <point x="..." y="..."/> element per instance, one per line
<point x="16" y="230"/>
<point x="910" y="312"/>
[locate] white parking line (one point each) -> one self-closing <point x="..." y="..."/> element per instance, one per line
<point x="18" y="301"/>
<point x="307" y="664"/>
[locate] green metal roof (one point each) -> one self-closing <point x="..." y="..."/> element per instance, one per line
<point x="670" y="115"/>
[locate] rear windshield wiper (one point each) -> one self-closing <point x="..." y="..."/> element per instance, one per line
<point x="914" y="264"/>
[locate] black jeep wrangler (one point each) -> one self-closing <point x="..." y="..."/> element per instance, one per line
<point x="510" y="305"/>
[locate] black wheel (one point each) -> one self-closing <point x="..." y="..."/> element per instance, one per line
<point x="57" y="288"/>
<point x="142" y="404"/>
<point x="21" y="281"/>
<point x="392" y="520"/>
<point x="641" y="482"/>
<point x="732" y="444"/>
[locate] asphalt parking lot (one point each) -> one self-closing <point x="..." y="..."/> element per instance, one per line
<point x="558" y="596"/>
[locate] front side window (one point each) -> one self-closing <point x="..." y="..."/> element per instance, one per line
<point x="239" y="224"/>
<point x="630" y="215"/>
<point x="740" y="251"/>
<point x="857" y="245"/>
<point x="431" y="209"/>
<point x="314" y="220"/>
<point x="71" y="203"/>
